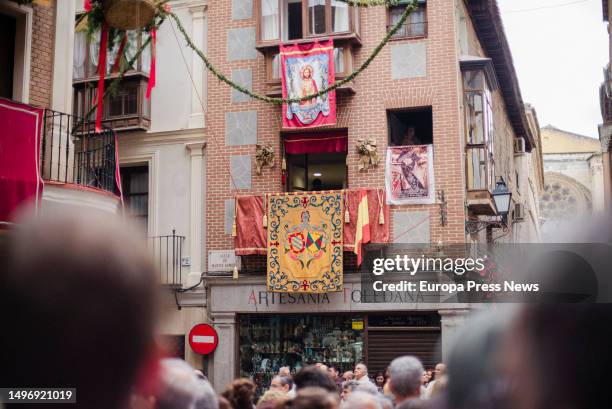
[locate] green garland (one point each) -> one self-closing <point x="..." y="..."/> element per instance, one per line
<point x="409" y="9"/>
<point x="161" y="18"/>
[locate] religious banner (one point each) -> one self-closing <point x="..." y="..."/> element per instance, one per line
<point x="307" y="69"/>
<point x="305" y="233"/>
<point x="409" y="175"/>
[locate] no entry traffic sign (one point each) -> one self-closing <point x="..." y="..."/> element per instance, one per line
<point x="203" y="339"/>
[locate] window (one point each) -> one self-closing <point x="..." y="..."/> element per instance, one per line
<point x="288" y="20"/>
<point x="479" y="131"/>
<point x="125" y="102"/>
<point x="410" y="127"/>
<point x="135" y="187"/>
<point x="316" y="161"/>
<point x="415" y="25"/>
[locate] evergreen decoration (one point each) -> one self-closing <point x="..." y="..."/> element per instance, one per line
<point x="409" y="9"/>
<point x="96" y="18"/>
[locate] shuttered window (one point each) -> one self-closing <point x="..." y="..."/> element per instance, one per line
<point x="386" y="344"/>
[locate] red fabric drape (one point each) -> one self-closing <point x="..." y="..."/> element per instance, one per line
<point x="320" y="142"/>
<point x="153" y="69"/>
<point x="20" y="136"/>
<point x="379" y="233"/>
<point x="119" y="53"/>
<point x="251" y="237"/>
<point x="102" y="72"/>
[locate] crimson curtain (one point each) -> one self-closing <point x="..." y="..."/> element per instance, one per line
<point x="20" y="135"/>
<point x="320" y="142"/>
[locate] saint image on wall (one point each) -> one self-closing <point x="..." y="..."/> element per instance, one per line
<point x="409" y="175"/>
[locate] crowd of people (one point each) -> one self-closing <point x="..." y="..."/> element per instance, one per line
<point x="78" y="307"/>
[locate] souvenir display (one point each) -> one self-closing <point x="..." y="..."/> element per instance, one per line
<point x="268" y="343"/>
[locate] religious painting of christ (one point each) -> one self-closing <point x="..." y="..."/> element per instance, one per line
<point x="308" y="69"/>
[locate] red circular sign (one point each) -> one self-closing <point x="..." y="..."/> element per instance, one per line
<point x="203" y="339"/>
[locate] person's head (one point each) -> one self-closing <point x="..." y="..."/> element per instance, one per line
<point x="405" y="377"/>
<point x="424" y="378"/>
<point x="347" y="388"/>
<point x="333" y="372"/>
<point x="564" y="354"/>
<point x="272" y="399"/>
<point x="87" y="284"/>
<point x="284" y="371"/>
<point x="429" y="373"/>
<point x="313" y="398"/>
<point x="200" y="374"/>
<point x="439" y="370"/>
<point x="180" y="388"/>
<point x="348" y="376"/>
<point x="281" y="383"/>
<point x="439" y="386"/>
<point x="311" y="376"/>
<point x="317" y="184"/>
<point x="321" y="366"/>
<point x="367" y="387"/>
<point x="362" y="400"/>
<point x="360" y="371"/>
<point x="379" y="378"/>
<point x="240" y="393"/>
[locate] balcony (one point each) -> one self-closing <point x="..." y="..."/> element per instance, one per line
<point x="167" y="253"/>
<point x="77" y="164"/>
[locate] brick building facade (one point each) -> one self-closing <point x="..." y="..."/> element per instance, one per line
<point x="421" y="71"/>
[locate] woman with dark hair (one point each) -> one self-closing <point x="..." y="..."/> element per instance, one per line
<point x="380" y="380"/>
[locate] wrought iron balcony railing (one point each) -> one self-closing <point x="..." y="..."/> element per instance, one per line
<point x="167" y="253"/>
<point x="79" y="155"/>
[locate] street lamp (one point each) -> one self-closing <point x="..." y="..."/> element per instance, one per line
<point x="502" y="198"/>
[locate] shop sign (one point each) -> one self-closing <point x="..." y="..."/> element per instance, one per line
<point x="357" y="324"/>
<point x="221" y="260"/>
<point x="203" y="339"/>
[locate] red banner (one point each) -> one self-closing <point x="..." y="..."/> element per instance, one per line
<point x="20" y="137"/>
<point x="306" y="70"/>
<point x="320" y="142"/>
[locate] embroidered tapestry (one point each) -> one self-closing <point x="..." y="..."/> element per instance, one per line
<point x="305" y="233"/>
<point x="305" y="70"/>
<point x="409" y="175"/>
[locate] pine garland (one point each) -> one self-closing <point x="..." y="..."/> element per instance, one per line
<point x="360" y="3"/>
<point x="409" y="9"/>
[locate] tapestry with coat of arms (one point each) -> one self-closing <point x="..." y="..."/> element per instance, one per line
<point x="305" y="233"/>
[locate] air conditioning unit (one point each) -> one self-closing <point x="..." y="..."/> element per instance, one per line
<point x="519" y="145"/>
<point x="519" y="212"/>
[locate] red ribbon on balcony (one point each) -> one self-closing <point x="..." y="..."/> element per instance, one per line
<point x="102" y="72"/>
<point x="153" y="58"/>
<point x="119" y="53"/>
<point x="87" y="5"/>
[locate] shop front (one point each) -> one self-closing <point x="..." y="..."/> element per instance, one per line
<point x="260" y="331"/>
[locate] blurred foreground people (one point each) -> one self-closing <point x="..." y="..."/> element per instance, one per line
<point x="312" y="376"/>
<point x="283" y="384"/>
<point x="312" y="398"/>
<point x="78" y="309"/>
<point x="362" y="400"/>
<point x="348" y="376"/>
<point x="405" y="379"/>
<point x="240" y="394"/>
<point x="272" y="399"/>
<point x="566" y="350"/>
<point x="180" y="388"/>
<point x="347" y="388"/>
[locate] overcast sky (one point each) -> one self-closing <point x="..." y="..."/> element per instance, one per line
<point x="559" y="52"/>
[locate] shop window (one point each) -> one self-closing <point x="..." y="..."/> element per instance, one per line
<point x="8" y="33"/>
<point x="410" y="127"/>
<point x="285" y="19"/>
<point x="316" y="161"/>
<point x="135" y="187"/>
<point x="480" y="166"/>
<point x="267" y="343"/>
<point x="415" y="25"/>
